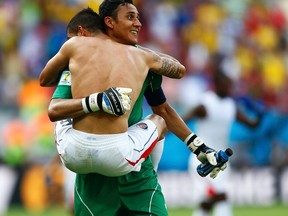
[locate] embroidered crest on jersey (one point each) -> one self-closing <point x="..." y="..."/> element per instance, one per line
<point x="65" y="78"/>
<point x="142" y="125"/>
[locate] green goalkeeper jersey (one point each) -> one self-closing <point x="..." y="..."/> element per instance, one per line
<point x="132" y="194"/>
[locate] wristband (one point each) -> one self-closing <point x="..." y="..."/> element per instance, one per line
<point x="92" y="103"/>
<point x="85" y="108"/>
<point x="193" y="142"/>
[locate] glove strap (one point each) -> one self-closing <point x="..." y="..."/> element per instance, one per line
<point x="92" y="103"/>
<point x="99" y="101"/>
<point x="194" y="143"/>
<point x="84" y="105"/>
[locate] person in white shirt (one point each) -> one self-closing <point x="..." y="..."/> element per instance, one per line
<point x="214" y="116"/>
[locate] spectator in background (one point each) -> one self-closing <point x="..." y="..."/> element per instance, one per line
<point x="214" y="116"/>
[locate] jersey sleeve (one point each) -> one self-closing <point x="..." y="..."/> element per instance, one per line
<point x="154" y="93"/>
<point x="63" y="89"/>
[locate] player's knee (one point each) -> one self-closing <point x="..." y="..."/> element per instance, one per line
<point x="220" y="197"/>
<point x="160" y="124"/>
<point x="206" y="205"/>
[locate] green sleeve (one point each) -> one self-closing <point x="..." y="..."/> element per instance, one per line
<point x="63" y="89"/>
<point x="156" y="81"/>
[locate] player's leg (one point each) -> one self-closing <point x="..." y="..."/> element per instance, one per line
<point x="141" y="193"/>
<point x="61" y="127"/>
<point x="69" y="183"/>
<point x="216" y="199"/>
<point x="156" y="153"/>
<point x="222" y="204"/>
<point x="144" y="136"/>
<point x="83" y="152"/>
<point x="207" y="205"/>
<point x="160" y="124"/>
<point x="200" y="186"/>
<point x="96" y="194"/>
<point x="223" y="208"/>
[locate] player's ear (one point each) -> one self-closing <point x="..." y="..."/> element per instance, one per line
<point x="108" y="22"/>
<point x="80" y="31"/>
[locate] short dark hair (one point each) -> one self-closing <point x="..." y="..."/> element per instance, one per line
<point x="88" y="19"/>
<point x="109" y="7"/>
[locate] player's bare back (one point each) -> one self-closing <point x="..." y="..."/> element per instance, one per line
<point x="98" y="63"/>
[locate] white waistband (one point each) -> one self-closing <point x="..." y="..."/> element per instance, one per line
<point x="88" y="138"/>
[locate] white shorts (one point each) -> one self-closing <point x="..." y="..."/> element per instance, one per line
<point x="109" y="154"/>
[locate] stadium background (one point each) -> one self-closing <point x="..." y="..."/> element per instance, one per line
<point x="251" y="34"/>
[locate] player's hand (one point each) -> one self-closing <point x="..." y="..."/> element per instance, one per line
<point x="206" y="153"/>
<point x="203" y="152"/>
<point x="207" y="161"/>
<point x="114" y="101"/>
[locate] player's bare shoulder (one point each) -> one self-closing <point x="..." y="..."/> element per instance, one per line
<point x="148" y="55"/>
<point x="149" y="52"/>
<point x="70" y="45"/>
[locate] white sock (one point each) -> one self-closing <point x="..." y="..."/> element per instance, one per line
<point x="223" y="208"/>
<point x="200" y="212"/>
<point x="157" y="153"/>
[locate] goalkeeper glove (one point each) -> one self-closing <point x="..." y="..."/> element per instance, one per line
<point x="203" y="152"/>
<point x="114" y="101"/>
<point x="206" y="168"/>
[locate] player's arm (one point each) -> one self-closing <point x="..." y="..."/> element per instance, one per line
<point x="167" y="67"/>
<point x="164" y="65"/>
<point x="50" y="74"/>
<point x="114" y="101"/>
<point x="157" y="100"/>
<point x="177" y="126"/>
<point x="168" y="56"/>
<point x="243" y="118"/>
<point x="198" y="112"/>
<point x="174" y="122"/>
<point x="60" y="109"/>
<point x="161" y="54"/>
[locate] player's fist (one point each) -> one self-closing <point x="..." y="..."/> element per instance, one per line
<point x="206" y="153"/>
<point x="203" y="152"/>
<point x="222" y="158"/>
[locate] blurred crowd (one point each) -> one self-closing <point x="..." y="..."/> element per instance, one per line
<point x="246" y="38"/>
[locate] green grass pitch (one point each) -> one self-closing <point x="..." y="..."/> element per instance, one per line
<point x="276" y="210"/>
